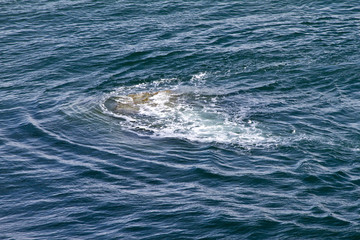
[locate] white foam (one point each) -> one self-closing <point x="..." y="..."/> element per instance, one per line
<point x="185" y="115"/>
<point x="200" y="77"/>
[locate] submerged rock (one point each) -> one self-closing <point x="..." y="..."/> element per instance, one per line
<point x="130" y="104"/>
<point x="146" y="97"/>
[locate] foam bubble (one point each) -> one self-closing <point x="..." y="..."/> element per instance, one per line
<point x="199" y="78"/>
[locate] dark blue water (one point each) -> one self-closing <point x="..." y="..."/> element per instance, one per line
<point x="256" y="137"/>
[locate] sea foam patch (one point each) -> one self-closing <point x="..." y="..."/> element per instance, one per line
<point x="170" y="109"/>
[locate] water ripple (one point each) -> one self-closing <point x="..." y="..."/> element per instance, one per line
<point x="254" y="134"/>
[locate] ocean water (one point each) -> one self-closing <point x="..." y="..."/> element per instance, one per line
<point x="254" y="132"/>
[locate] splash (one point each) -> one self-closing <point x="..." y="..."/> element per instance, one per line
<point x="170" y="108"/>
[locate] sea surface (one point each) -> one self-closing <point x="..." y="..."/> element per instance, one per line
<point x="254" y="132"/>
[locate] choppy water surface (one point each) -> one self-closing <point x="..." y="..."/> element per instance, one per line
<point x="255" y="132"/>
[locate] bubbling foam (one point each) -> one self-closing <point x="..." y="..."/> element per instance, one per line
<point x="180" y="112"/>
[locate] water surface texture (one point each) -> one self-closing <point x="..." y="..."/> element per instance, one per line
<point x="254" y="134"/>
